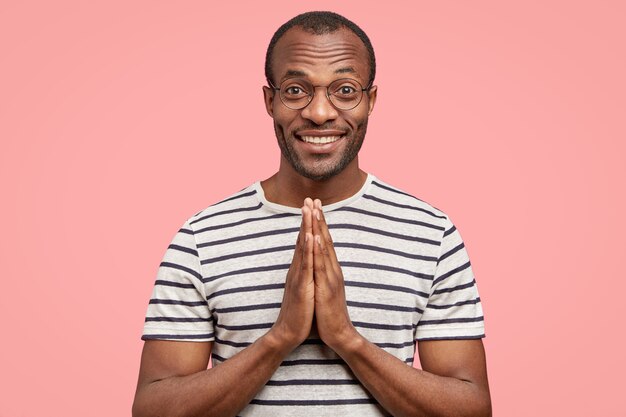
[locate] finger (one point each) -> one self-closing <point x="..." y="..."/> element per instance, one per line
<point x="298" y="250"/>
<point x="326" y="270"/>
<point x="308" y="202"/>
<point x="307" y="256"/>
<point x="307" y="220"/>
<point x="323" y="225"/>
<point x="328" y="240"/>
<point x="319" y="262"/>
<point x="317" y="227"/>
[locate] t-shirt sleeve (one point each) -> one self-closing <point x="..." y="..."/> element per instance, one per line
<point x="454" y="310"/>
<point x="178" y="308"/>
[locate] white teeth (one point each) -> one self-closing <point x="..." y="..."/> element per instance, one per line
<point x="320" y="139"/>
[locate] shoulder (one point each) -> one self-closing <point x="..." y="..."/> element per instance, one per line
<point x="244" y="200"/>
<point x="395" y="201"/>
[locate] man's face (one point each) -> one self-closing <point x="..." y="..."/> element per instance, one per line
<point x="319" y="59"/>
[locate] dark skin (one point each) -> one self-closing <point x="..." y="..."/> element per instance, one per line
<point x="173" y="378"/>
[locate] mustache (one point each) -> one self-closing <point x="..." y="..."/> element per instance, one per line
<point x="325" y="126"/>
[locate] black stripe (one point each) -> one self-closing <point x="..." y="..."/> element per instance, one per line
<point x="247" y="271"/>
<point x="451" y="252"/>
<point x="290" y="382"/>
<point x="313" y="402"/>
<point x="456" y="288"/>
<point x="297" y="362"/>
<point x="173" y="284"/>
<point x="180" y="319"/>
<point x="249" y="253"/>
<point x="312" y="342"/>
<point x="244" y="221"/>
<point x="383" y="307"/>
<point x="383" y="326"/>
<point x="183" y="249"/>
<point x="394" y="190"/>
<point x="246" y="289"/>
<point x="177" y="302"/>
<point x="446" y="321"/>
<point x="460" y="303"/>
<point x="186" y="231"/>
<point x="450" y="231"/>
<point x="391" y="218"/>
<point x="177" y="336"/>
<point x="385" y="268"/>
<point x="382" y="233"/>
<point x="250" y="236"/>
<point x="246" y="308"/>
<point x="246" y="326"/>
<point x="221" y="213"/>
<point x="383" y="250"/>
<point x="181" y="268"/>
<point x="423" y="339"/>
<point x="231" y="343"/>
<point x="391" y="203"/>
<point x="452" y="272"/>
<point x="385" y="287"/>
<point x="395" y="345"/>
<point x="235" y="197"/>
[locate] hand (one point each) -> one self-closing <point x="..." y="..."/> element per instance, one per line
<point x="295" y="319"/>
<point x="331" y="311"/>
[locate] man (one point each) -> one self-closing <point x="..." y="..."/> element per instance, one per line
<point x="310" y="289"/>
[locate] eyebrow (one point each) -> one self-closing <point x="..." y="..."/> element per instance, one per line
<point x="295" y="73"/>
<point x="299" y="73"/>
<point x="345" y="70"/>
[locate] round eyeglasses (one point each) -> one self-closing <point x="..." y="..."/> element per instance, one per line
<point x="297" y="93"/>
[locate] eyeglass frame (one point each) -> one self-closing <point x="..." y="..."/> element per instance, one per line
<point x="312" y="95"/>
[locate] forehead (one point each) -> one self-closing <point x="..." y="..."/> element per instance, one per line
<point x="301" y="53"/>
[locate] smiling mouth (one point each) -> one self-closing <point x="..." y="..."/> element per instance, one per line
<point x="320" y="140"/>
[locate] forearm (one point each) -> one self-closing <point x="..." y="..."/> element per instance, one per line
<point x="220" y="391"/>
<point x="405" y="391"/>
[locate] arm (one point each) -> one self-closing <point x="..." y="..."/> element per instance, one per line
<point x="174" y="381"/>
<point x="453" y="381"/>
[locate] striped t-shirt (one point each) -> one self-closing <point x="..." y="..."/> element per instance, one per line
<point x="407" y="278"/>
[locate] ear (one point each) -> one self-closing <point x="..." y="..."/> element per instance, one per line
<point x="268" y="96"/>
<point x="371" y="93"/>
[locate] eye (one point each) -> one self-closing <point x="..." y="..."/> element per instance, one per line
<point x="294" y="91"/>
<point x="346" y="90"/>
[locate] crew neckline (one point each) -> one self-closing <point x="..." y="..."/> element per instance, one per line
<point x="260" y="193"/>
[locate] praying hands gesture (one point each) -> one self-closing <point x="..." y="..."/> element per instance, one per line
<point x="314" y="287"/>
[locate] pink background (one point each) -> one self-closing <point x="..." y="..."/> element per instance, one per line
<point x="118" y="120"/>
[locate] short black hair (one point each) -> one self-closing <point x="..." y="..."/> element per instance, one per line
<point x="320" y="23"/>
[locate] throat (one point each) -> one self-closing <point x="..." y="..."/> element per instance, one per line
<point x="291" y="191"/>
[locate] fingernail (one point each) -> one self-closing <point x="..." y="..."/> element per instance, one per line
<point x="318" y="240"/>
<point x="306" y="238"/>
<point x="317" y="214"/>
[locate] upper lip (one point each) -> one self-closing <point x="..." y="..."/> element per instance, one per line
<point x="320" y="133"/>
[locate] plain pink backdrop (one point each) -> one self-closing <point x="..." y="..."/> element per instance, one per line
<point x="118" y="120"/>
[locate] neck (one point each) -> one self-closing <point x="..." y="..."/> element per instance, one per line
<point x="288" y="188"/>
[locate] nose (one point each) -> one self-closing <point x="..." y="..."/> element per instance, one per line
<point x="320" y="110"/>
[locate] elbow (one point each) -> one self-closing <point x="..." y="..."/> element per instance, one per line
<point x="138" y="410"/>
<point x="484" y="405"/>
<point x="144" y="407"/>
<point x="479" y="402"/>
